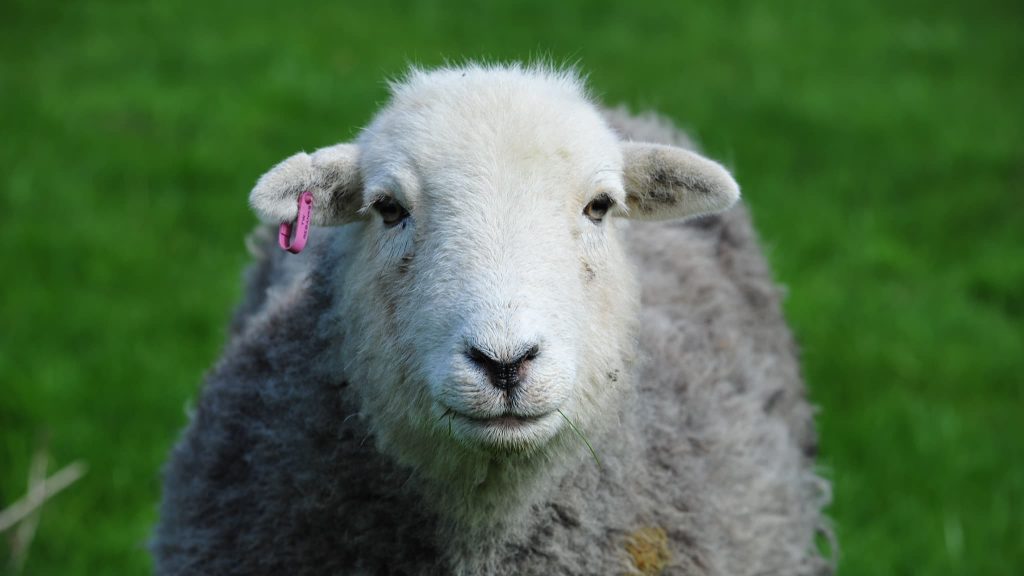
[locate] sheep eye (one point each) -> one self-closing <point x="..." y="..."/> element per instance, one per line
<point x="391" y="212"/>
<point x="598" y="208"/>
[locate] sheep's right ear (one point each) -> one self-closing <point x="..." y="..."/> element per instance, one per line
<point x="664" y="182"/>
<point x="331" y="174"/>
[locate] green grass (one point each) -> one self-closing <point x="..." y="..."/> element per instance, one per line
<point x="880" y="145"/>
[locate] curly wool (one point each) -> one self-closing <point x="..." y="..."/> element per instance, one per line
<point x="713" y="450"/>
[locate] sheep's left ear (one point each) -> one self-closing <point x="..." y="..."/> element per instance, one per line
<point x="331" y="174"/>
<point x="665" y="182"/>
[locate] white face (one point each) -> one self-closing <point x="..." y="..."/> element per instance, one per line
<point x="489" y="262"/>
<point x="484" y="297"/>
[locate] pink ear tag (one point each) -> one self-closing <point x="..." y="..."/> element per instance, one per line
<point x="301" y="225"/>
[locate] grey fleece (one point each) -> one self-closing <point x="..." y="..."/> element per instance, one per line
<point x="710" y="471"/>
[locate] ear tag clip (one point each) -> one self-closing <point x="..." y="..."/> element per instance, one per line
<point x="301" y="225"/>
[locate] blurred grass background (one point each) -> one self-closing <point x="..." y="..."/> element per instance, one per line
<point x="880" y="146"/>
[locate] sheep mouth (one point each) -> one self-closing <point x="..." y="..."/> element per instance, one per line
<point x="508" y="420"/>
<point x="506" y="432"/>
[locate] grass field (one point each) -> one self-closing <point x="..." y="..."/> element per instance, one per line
<point x="880" y="145"/>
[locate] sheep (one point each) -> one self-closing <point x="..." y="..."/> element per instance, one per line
<point x="527" y="337"/>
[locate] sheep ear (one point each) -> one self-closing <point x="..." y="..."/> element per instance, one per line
<point x="665" y="182"/>
<point x="331" y="174"/>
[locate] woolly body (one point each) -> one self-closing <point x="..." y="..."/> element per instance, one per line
<point x="345" y="431"/>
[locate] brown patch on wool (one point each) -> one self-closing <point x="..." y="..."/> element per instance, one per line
<point x="648" y="548"/>
<point x="588" y="272"/>
<point x="404" y="263"/>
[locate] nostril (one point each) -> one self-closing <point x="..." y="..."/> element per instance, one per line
<point x="478" y="356"/>
<point x="503" y="373"/>
<point x="530" y="354"/>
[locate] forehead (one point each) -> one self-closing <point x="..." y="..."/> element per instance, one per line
<point x="455" y="134"/>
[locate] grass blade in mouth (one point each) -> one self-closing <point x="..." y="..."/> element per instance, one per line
<point x="450" y="415"/>
<point x="582" y="437"/>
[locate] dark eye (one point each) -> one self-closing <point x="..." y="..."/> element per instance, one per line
<point x="598" y="207"/>
<point x="391" y="212"/>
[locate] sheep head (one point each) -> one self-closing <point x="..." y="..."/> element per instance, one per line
<point x="486" y="293"/>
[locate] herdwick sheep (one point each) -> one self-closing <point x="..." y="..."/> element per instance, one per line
<point x="496" y="362"/>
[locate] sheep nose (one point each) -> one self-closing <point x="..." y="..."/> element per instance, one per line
<point x="504" y="373"/>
